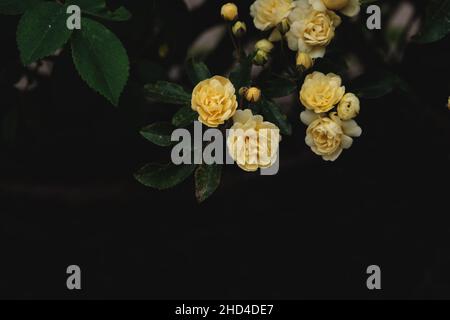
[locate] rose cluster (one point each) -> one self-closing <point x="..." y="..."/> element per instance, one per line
<point x="309" y="26"/>
<point x="253" y="142"/>
<point x="244" y="106"/>
<point x="328" y="134"/>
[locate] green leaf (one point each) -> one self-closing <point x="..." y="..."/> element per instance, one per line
<point x="207" y="180"/>
<point x="241" y="76"/>
<point x="437" y="22"/>
<point x="13" y="7"/>
<point x="164" y="177"/>
<point x="184" y="117"/>
<point x="159" y="133"/>
<point x="272" y="113"/>
<point x="278" y="87"/>
<point x="101" y="59"/>
<point x="167" y="92"/>
<point x="41" y="31"/>
<point x="197" y="71"/>
<point x="99" y="9"/>
<point x="374" y="85"/>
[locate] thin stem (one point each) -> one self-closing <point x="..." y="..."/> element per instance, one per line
<point x="236" y="45"/>
<point x="291" y="71"/>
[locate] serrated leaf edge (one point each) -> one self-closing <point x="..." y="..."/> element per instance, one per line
<point x="115" y="103"/>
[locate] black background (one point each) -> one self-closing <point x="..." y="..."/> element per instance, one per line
<point x="67" y="193"/>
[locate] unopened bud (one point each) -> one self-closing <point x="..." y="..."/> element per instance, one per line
<point x="253" y="94"/>
<point x="335" y="4"/>
<point x="242" y="91"/>
<point x="261" y="58"/>
<point x="239" y="29"/>
<point x="229" y="11"/>
<point x="304" y="61"/>
<point x="264" y="45"/>
<point x="349" y="107"/>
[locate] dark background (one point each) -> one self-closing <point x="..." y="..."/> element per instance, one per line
<point x="67" y="193"/>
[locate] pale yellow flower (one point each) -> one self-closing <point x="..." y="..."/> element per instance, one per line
<point x="320" y="92"/>
<point x="349" y="107"/>
<point x="329" y="136"/>
<point x="215" y="101"/>
<point x="229" y="11"/>
<point x="252" y="142"/>
<point x="268" y="14"/>
<point x="311" y="30"/>
<point x="349" y="8"/>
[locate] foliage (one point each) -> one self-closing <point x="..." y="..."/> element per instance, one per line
<point x="102" y="62"/>
<point x="437" y="23"/>
<point x="100" y="59"/>
<point x="98" y="54"/>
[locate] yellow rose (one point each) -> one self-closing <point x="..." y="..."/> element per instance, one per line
<point x="329" y="136"/>
<point x="229" y="11"/>
<point x="321" y="92"/>
<point x="215" y="101"/>
<point x="268" y="14"/>
<point x="252" y="142"/>
<point x="349" y="107"/>
<point x="311" y="30"/>
<point x="349" y="8"/>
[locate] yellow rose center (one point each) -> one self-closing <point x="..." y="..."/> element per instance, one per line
<point x="323" y="95"/>
<point x="327" y="136"/>
<point x="319" y="29"/>
<point x="215" y="101"/>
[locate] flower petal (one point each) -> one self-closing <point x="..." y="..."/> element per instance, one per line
<point x="318" y="5"/>
<point x="317" y="52"/>
<point x="242" y="116"/>
<point x="308" y="117"/>
<point x="334" y="156"/>
<point x="346" y="142"/>
<point x="275" y="36"/>
<point x="351" y="128"/>
<point x="309" y="141"/>
<point x="352" y="9"/>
